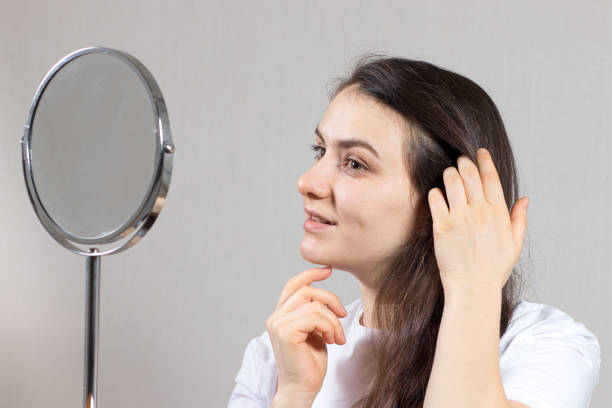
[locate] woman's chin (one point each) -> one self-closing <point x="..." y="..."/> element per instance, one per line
<point x="312" y="255"/>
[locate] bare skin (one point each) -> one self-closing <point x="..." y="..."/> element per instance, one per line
<point x="369" y="197"/>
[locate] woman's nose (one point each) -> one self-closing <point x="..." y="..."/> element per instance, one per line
<point x="314" y="183"/>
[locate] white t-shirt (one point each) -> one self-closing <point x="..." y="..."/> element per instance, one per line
<point x="547" y="360"/>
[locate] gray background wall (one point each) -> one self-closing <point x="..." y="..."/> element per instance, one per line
<point x="245" y="85"/>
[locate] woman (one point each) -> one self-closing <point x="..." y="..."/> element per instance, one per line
<point x="413" y="192"/>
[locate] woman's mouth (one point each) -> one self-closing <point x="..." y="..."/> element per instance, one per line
<point x="311" y="225"/>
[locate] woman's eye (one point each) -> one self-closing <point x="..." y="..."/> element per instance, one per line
<point x="317" y="149"/>
<point x="360" y="167"/>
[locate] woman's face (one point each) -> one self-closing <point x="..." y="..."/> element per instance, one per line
<point x="367" y="195"/>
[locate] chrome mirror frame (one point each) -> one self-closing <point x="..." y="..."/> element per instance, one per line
<point x="132" y="230"/>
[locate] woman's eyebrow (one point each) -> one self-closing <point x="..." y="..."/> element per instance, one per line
<point x="346" y="143"/>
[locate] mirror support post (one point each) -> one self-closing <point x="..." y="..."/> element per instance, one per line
<point x="92" y="315"/>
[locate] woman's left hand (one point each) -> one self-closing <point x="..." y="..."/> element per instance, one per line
<point x="476" y="242"/>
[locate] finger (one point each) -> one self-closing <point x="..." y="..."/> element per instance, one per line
<point x="307" y="294"/>
<point x="301" y="279"/>
<point x="455" y="190"/>
<point x="471" y="179"/>
<point x="300" y="328"/>
<point x="314" y="316"/>
<point x="519" y="222"/>
<point x="318" y="308"/>
<point x="297" y="330"/>
<point x="437" y="205"/>
<point x="491" y="185"/>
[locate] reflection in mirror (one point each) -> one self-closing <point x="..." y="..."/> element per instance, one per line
<point x="93" y="145"/>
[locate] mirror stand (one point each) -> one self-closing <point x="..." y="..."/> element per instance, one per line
<point x="92" y="319"/>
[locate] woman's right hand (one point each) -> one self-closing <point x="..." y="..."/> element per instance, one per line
<point x="299" y="328"/>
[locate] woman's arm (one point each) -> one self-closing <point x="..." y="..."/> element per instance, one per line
<point x="477" y="243"/>
<point x="466" y="371"/>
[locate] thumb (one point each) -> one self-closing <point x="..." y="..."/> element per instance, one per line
<point x="519" y="221"/>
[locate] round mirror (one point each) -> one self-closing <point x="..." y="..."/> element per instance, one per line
<point x="97" y="151"/>
<point x="97" y="160"/>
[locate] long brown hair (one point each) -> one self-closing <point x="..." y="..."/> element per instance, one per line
<point x="447" y="115"/>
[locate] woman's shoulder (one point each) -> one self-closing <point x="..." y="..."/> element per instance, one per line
<point x="262" y="346"/>
<point x="257" y="376"/>
<point x="547" y="358"/>
<point x="547" y="323"/>
<point x="541" y="318"/>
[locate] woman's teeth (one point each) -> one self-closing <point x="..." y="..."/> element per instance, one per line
<point x="320" y="220"/>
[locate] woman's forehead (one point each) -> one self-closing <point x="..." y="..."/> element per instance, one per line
<point x="352" y="115"/>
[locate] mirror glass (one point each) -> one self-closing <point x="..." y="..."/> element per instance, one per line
<point x="93" y="145"/>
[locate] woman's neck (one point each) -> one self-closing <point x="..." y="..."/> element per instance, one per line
<point x="367" y="301"/>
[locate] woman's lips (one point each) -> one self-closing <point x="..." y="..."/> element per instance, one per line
<point x="312" y="226"/>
